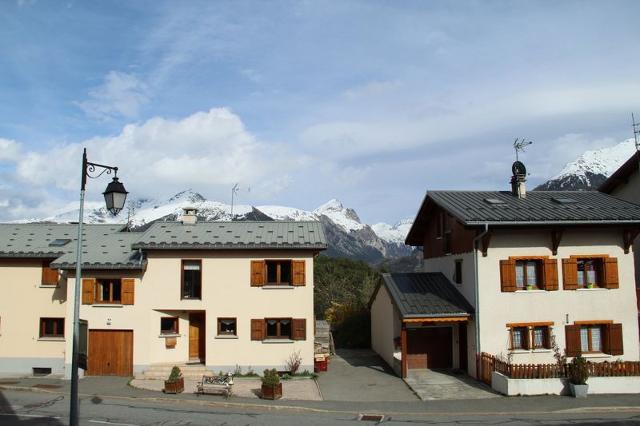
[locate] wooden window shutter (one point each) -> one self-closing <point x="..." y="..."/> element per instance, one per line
<point x="257" y="329"/>
<point x="298" y="272"/>
<point x="299" y="329"/>
<point x="611" y="272"/>
<point x="258" y="273"/>
<point x="49" y="275"/>
<point x="128" y="291"/>
<point x="550" y="274"/>
<point x="508" y="275"/>
<point x="572" y="335"/>
<point x="612" y="342"/>
<point x="88" y="292"/>
<point x="569" y="274"/>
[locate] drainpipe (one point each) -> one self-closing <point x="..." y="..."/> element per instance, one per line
<point x="477" y="288"/>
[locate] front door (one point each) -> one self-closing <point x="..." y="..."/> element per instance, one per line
<point x="429" y="347"/>
<point x="196" y="337"/>
<point x="110" y="353"/>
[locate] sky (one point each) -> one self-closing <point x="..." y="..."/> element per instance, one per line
<point x="369" y="102"/>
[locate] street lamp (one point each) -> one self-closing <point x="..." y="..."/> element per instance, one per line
<point x="114" y="196"/>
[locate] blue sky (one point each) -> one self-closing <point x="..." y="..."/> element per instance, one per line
<point x="369" y="102"/>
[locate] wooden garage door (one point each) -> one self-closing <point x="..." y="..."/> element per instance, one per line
<point x="429" y="348"/>
<point x="110" y="353"/>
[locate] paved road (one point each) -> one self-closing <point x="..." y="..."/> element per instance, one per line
<point x="46" y="408"/>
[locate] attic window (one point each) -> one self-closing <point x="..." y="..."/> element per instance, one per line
<point x="494" y="201"/>
<point x="564" y="200"/>
<point x="59" y="242"/>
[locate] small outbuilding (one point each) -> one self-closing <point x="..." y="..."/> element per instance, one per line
<point x="418" y="321"/>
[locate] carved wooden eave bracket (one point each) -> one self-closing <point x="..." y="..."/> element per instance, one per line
<point x="484" y="243"/>
<point x="628" y="236"/>
<point x="556" y="238"/>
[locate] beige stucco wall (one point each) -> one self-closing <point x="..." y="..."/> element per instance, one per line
<point x="446" y="265"/>
<point x="498" y="308"/>
<point x="385" y="325"/>
<point x="23" y="303"/>
<point x="226" y="292"/>
<point x="630" y="191"/>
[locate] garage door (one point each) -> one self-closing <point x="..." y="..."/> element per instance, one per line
<point x="429" y="348"/>
<point x="110" y="353"/>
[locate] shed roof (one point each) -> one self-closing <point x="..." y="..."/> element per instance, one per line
<point x="234" y="235"/>
<point x="425" y="295"/>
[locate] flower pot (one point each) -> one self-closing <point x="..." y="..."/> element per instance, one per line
<point x="579" y="391"/>
<point x="174" y="386"/>
<point x="272" y="391"/>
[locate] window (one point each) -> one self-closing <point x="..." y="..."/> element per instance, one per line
<point x="59" y="242"/>
<point x="278" y="328"/>
<point x="458" y="273"/>
<point x="51" y="327"/>
<point x="191" y="279"/>
<point x="278" y="272"/>
<point x="541" y="338"/>
<point x="227" y="327"/>
<point x="440" y="225"/>
<point x="169" y="325"/>
<point x="108" y="291"/>
<point x="528" y="274"/>
<point x="591" y="338"/>
<point x="519" y="338"/>
<point x="589" y="272"/>
<point x="535" y="335"/>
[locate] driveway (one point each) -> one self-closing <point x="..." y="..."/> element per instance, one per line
<point x="361" y="375"/>
<point x="436" y="384"/>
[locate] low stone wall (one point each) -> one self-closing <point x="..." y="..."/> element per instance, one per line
<point x="597" y="385"/>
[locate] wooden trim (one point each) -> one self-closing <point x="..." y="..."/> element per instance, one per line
<point x="486" y="241"/>
<point x="279" y="263"/>
<point x="628" y="236"/>
<point x="440" y="319"/>
<point x="528" y="257"/>
<point x="530" y="324"/>
<point x="403" y="351"/>
<point x="56" y="321"/>
<point x="556" y="238"/>
<point x="597" y="322"/>
<point x="588" y="256"/>
<point x="279" y="331"/>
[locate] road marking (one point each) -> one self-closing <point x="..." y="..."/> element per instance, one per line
<point x="104" y="422"/>
<point x="38" y="416"/>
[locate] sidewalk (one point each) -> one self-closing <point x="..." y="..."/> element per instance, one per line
<point x="117" y="387"/>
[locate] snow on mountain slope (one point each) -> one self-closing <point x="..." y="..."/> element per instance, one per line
<point x="591" y="169"/>
<point x="346" y="218"/>
<point x="286" y="213"/>
<point x="396" y="233"/>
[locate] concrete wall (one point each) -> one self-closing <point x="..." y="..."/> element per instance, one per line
<point x="226" y="292"/>
<point x="447" y="265"/>
<point x="385" y="326"/>
<point x="562" y="307"/>
<point x="23" y="303"/>
<point x="597" y="385"/>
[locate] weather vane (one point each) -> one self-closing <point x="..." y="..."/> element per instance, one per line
<point x="519" y="145"/>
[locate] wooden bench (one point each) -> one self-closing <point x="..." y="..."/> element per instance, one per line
<point x="216" y="384"/>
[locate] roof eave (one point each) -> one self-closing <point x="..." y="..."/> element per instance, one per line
<point x="228" y="247"/>
<point x="552" y="222"/>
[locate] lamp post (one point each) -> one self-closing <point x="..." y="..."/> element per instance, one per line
<point x="114" y="195"/>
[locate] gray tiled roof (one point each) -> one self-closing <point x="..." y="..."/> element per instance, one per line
<point x="538" y="207"/>
<point x="425" y="294"/>
<point x="104" y="246"/>
<point x="234" y="235"/>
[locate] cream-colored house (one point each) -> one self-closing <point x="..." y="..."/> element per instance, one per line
<point x="221" y="295"/>
<point x="535" y="267"/>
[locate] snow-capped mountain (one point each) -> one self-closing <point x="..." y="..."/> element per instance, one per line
<point x="346" y="234"/>
<point x="591" y="169"/>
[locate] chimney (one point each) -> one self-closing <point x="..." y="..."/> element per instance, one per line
<point x="518" y="187"/>
<point x="189" y="216"/>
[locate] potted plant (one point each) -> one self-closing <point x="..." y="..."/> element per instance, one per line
<point x="591" y="285"/>
<point x="271" y="385"/>
<point x="578" y="375"/>
<point x="175" y="382"/>
<point x="530" y="286"/>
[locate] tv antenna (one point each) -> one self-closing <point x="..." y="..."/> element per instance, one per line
<point x="636" y="131"/>
<point x="234" y="192"/>
<point x="519" y="145"/>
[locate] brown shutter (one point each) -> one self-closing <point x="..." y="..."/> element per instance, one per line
<point x="572" y="335"/>
<point x="550" y="274"/>
<point x="128" y="291"/>
<point x="570" y="274"/>
<point x="611" y="272"/>
<point x="299" y="329"/>
<point x="298" y="272"/>
<point x="613" y="339"/>
<point x="49" y="275"/>
<point x="257" y="329"/>
<point x="257" y="273"/>
<point x="88" y="292"/>
<point x="508" y="275"/>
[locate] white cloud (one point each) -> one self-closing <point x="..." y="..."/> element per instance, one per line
<point x="9" y="150"/>
<point x="209" y="151"/>
<point x="121" y="95"/>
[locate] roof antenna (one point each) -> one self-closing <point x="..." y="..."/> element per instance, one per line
<point x="636" y="131"/>
<point x="519" y="145"/>
<point x="234" y="192"/>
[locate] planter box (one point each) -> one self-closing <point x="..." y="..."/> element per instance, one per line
<point x="579" y="391"/>
<point x="174" y="386"/>
<point x="272" y="392"/>
<point x="320" y="365"/>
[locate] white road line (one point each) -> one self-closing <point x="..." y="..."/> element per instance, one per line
<point x="29" y="415"/>
<point x="104" y="422"/>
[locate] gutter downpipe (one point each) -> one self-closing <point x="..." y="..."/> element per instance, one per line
<point x="477" y="290"/>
